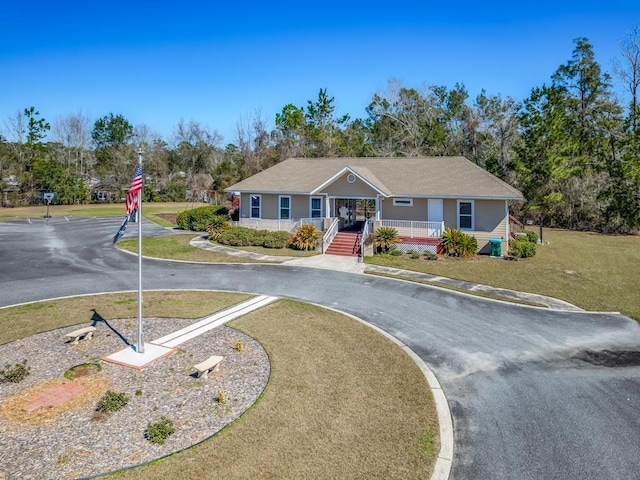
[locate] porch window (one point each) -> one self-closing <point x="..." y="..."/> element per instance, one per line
<point x="316" y="207"/>
<point x="285" y="208"/>
<point x="403" y="202"/>
<point x="465" y="215"/>
<point x="255" y="208"/>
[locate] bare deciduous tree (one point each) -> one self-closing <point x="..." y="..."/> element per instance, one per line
<point x="73" y="131"/>
<point x="629" y="71"/>
<point x="253" y="142"/>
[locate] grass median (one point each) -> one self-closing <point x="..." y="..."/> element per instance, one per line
<point x="593" y="271"/>
<point x="177" y="247"/>
<point x="342" y="401"/>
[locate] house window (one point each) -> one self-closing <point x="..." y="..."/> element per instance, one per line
<point x="285" y="208"/>
<point x="255" y="210"/>
<point x="403" y="202"/>
<point x="465" y="215"/>
<point x="316" y="207"/>
<point x="351" y="178"/>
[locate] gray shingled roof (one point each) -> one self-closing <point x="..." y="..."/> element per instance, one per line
<point x="404" y="176"/>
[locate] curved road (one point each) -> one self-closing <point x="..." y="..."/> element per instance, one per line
<point x="528" y="399"/>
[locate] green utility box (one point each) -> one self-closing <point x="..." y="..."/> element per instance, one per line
<point x="496" y="247"/>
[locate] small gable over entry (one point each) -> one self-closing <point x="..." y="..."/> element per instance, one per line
<point x="351" y="183"/>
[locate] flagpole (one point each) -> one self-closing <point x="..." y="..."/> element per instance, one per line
<point x="140" y="347"/>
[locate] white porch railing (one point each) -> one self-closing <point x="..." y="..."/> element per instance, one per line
<point x="316" y="222"/>
<point x="368" y="226"/>
<point x="278" y="225"/>
<point x="329" y="235"/>
<point x="411" y="229"/>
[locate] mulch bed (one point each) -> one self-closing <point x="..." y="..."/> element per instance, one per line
<point x="70" y="440"/>
<point x="169" y="217"/>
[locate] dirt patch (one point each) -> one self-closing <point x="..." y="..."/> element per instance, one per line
<point x="169" y="217"/>
<point x="19" y="407"/>
<point x="82" y="372"/>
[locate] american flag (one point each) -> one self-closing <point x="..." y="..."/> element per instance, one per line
<point x="134" y="189"/>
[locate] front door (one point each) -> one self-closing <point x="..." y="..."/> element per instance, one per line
<point x="346" y="211"/>
<point x="435" y="213"/>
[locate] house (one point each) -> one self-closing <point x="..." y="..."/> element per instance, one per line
<point x="419" y="196"/>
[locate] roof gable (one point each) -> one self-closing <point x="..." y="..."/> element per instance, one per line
<point x="363" y="175"/>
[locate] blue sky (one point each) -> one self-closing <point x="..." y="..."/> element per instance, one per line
<point x="158" y="62"/>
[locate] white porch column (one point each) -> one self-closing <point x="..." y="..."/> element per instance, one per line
<point x="378" y="208"/>
<point x="327" y="207"/>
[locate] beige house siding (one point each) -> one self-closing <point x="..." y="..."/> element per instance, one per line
<point x="244" y="205"/>
<point x="484" y="237"/>
<point x="450" y="211"/>
<point x="269" y="206"/>
<point x="490" y="222"/>
<point x="342" y="188"/>
<point x="489" y="218"/>
<point x="416" y="213"/>
<point x="300" y="205"/>
<point x="488" y="213"/>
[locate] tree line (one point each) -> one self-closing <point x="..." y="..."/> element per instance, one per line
<point x="572" y="146"/>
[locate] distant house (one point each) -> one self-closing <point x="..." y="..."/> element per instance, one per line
<point x="419" y="196"/>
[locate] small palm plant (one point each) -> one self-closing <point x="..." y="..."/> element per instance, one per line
<point x="306" y="237"/>
<point x="456" y="243"/>
<point x="386" y="238"/>
<point x="451" y="241"/>
<point x="217" y="225"/>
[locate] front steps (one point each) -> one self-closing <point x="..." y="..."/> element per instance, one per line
<point x="345" y="243"/>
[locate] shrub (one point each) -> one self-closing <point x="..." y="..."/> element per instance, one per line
<point x="222" y="399"/>
<point x="217" y="226"/>
<point x="238" y="346"/>
<point x="275" y="240"/>
<point x="305" y="237"/>
<point x="160" y="431"/>
<point x="413" y="254"/>
<point x="430" y="255"/>
<point x="395" y="253"/>
<point x="522" y="248"/>
<point x="16" y="374"/>
<point x="456" y="243"/>
<point x="386" y="238"/>
<point x="468" y="246"/>
<point x="237" y="237"/>
<point x="198" y="219"/>
<point x="532" y="236"/>
<point x="112" y="401"/>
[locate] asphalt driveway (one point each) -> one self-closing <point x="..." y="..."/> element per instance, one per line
<point x="528" y="399"/>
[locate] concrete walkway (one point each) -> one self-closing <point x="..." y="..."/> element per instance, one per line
<point x="355" y="265"/>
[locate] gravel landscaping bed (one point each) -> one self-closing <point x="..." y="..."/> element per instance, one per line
<point x="72" y="440"/>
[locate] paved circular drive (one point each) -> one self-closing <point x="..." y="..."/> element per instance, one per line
<point x="528" y="399"/>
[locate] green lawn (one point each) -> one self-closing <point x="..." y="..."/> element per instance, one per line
<point x="342" y="400"/>
<point x="591" y="270"/>
<point x="91" y="210"/>
<point x="177" y="247"/>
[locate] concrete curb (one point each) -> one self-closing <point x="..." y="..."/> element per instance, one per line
<point x="442" y="468"/>
<point x="408" y="275"/>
